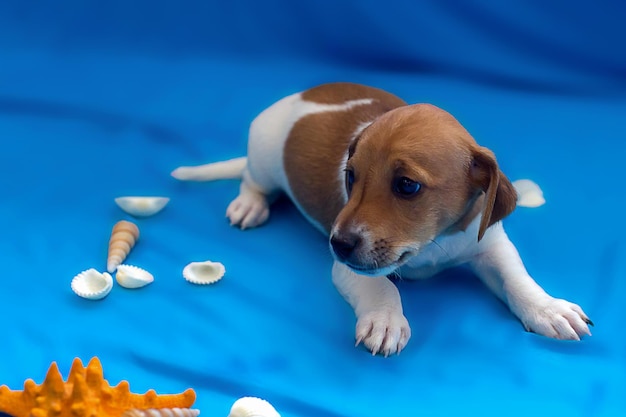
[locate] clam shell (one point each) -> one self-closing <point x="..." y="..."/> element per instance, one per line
<point x="529" y="194"/>
<point x="161" y="412"/>
<point x="123" y="238"/>
<point x="142" y="206"/>
<point x="129" y="276"/>
<point x="206" y="272"/>
<point x="92" y="284"/>
<point x="252" y="407"/>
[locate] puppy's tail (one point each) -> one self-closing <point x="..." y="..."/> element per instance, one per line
<point x="529" y="194"/>
<point x="224" y="170"/>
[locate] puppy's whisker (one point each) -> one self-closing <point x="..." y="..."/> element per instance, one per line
<point x="395" y="275"/>
<point x="441" y="247"/>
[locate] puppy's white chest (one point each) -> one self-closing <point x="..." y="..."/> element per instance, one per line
<point x="444" y="253"/>
<point x="425" y="265"/>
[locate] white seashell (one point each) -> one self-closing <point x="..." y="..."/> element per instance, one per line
<point x="252" y="407"/>
<point x="528" y="193"/>
<point x="142" y="206"/>
<point x="161" y="412"/>
<point x="92" y="284"/>
<point x="206" y="272"/>
<point x="129" y="276"/>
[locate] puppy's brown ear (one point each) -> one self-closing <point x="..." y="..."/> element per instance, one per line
<point x="500" y="196"/>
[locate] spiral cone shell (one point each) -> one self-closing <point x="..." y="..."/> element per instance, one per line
<point x="162" y="412"/>
<point x="123" y="238"/>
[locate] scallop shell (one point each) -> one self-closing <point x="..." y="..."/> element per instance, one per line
<point x="528" y="194"/>
<point x="252" y="407"/>
<point x="206" y="272"/>
<point x="92" y="284"/>
<point x="142" y="206"/>
<point x="123" y="238"/>
<point x="129" y="276"/>
<point x="161" y="412"/>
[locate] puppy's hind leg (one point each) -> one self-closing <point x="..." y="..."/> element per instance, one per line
<point x="263" y="177"/>
<point x="251" y="207"/>
<point x="261" y="173"/>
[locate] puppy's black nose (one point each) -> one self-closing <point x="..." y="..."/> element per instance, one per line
<point x="344" y="245"/>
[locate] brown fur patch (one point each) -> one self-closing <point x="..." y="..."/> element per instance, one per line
<point x="317" y="145"/>
<point x="337" y="93"/>
<point x="500" y="195"/>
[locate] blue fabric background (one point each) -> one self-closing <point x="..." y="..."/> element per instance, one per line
<point x="103" y="99"/>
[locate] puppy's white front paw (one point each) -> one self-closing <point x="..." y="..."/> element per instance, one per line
<point x="556" y="318"/>
<point x="248" y="210"/>
<point x="383" y="331"/>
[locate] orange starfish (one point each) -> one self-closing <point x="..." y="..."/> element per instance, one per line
<point x="85" y="394"/>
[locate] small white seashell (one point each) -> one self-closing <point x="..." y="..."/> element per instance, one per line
<point x="528" y="194"/>
<point x="206" y="272"/>
<point x="252" y="407"/>
<point x="92" y="284"/>
<point x="161" y="412"/>
<point x="129" y="276"/>
<point x="142" y="206"/>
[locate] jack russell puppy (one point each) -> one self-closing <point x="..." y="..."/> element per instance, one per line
<point x="399" y="189"/>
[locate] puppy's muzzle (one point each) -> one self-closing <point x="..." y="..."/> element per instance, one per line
<point x="354" y="250"/>
<point x="344" y="246"/>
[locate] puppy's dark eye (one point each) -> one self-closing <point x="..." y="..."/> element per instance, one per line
<point x="406" y="187"/>
<point x="349" y="180"/>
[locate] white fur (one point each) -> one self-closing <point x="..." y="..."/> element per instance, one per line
<point x="381" y="325"/>
<point x="383" y="328"/>
<point x="230" y="169"/>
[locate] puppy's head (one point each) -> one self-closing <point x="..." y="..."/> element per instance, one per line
<point x="413" y="175"/>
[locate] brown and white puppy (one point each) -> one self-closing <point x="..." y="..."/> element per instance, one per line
<point x="399" y="189"/>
